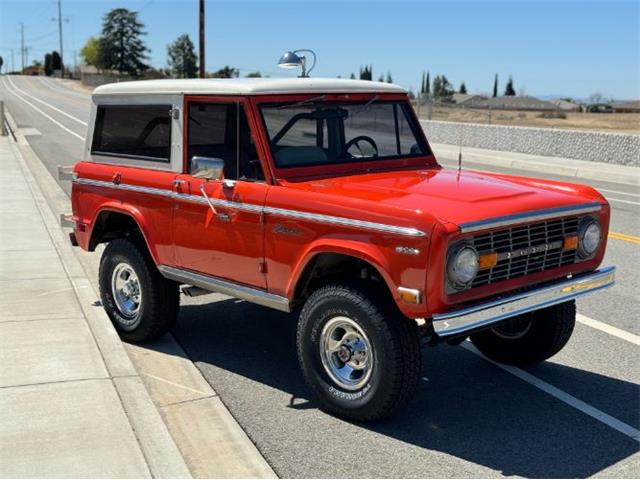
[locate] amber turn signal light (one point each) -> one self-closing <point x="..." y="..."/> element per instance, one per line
<point x="409" y="295"/>
<point x="487" y="260"/>
<point x="570" y="243"/>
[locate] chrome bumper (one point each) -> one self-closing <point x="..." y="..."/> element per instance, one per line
<point x="472" y="318"/>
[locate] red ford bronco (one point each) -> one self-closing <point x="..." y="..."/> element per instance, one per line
<point x="322" y="197"/>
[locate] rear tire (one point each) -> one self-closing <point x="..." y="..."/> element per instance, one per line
<point x="141" y="303"/>
<point x="529" y="338"/>
<point x="357" y="326"/>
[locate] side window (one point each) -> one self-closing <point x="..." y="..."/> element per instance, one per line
<point x="219" y="130"/>
<point x="136" y="131"/>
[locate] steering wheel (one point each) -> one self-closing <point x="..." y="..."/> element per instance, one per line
<point x="356" y="141"/>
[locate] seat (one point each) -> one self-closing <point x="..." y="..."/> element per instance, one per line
<point x="300" y="156"/>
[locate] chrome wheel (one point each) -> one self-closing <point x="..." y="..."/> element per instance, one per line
<point x="514" y="328"/>
<point x="127" y="294"/>
<point x="346" y="353"/>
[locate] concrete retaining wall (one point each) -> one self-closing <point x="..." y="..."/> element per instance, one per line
<point x="617" y="148"/>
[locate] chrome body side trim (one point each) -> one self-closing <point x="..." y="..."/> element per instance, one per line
<point x="248" y="207"/>
<point x="226" y="287"/>
<point x="484" y="314"/>
<point x="528" y="217"/>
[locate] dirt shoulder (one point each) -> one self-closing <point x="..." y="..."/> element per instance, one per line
<point x="601" y="122"/>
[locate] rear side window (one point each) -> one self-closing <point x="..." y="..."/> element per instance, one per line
<point x="134" y="131"/>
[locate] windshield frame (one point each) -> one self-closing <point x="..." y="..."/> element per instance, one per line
<point x="423" y="160"/>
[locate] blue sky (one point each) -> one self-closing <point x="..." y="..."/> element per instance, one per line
<point x="549" y="47"/>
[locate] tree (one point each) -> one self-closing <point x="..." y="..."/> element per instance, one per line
<point x="427" y="86"/>
<point x="366" y="73"/>
<point x="1" y="63"/>
<point x="596" y="97"/>
<point x="441" y="87"/>
<point x="122" y="45"/>
<point x="255" y="74"/>
<point x="352" y="76"/>
<point x="381" y="78"/>
<point x="225" y="72"/>
<point x="92" y="52"/>
<point x="495" y="86"/>
<point x="48" y="64"/>
<point x="56" y="61"/>
<point x="389" y="78"/>
<point x="509" y="91"/>
<point x="182" y="58"/>
<point x="463" y="88"/>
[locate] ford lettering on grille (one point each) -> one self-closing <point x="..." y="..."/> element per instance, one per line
<point x="525" y="249"/>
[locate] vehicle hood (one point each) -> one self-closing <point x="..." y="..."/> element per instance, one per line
<point x="452" y="196"/>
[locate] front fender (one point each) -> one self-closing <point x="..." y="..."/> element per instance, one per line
<point x="395" y="270"/>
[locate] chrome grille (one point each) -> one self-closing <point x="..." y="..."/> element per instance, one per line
<point x="508" y="242"/>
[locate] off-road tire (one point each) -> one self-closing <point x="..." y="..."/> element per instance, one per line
<point x="548" y="333"/>
<point x="395" y="344"/>
<point x="160" y="299"/>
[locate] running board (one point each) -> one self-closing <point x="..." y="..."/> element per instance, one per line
<point x="235" y="290"/>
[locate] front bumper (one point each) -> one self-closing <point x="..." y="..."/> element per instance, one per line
<point x="478" y="316"/>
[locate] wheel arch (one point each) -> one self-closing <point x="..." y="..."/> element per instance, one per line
<point x="118" y="221"/>
<point x="322" y="259"/>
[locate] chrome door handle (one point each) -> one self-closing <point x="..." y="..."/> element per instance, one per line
<point x="179" y="183"/>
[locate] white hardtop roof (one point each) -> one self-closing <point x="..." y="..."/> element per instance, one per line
<point x="247" y="86"/>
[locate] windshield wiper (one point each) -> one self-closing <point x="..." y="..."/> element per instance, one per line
<point x="365" y="106"/>
<point x="303" y="102"/>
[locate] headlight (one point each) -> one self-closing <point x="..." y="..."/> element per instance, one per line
<point x="589" y="235"/>
<point x="462" y="265"/>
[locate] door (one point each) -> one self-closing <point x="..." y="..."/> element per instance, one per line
<point x="226" y="241"/>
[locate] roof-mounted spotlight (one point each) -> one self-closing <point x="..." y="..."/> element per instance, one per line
<point x="293" y="60"/>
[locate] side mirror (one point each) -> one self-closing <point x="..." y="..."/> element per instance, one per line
<point x="207" y="168"/>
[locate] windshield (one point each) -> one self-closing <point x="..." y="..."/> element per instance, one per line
<point x="315" y="133"/>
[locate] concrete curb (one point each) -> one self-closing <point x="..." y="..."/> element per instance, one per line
<point x="161" y="454"/>
<point x="604" y="172"/>
<point x="195" y="419"/>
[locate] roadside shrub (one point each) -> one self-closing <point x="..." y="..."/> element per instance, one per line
<point x="553" y="114"/>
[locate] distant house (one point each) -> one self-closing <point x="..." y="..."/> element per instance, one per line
<point x="32" y="70"/>
<point x="566" y="105"/>
<point x="626" y="107"/>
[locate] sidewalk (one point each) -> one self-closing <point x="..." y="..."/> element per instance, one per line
<point x="579" y="169"/>
<point x="71" y="402"/>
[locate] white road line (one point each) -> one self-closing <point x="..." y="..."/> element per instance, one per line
<point x="604" y="327"/>
<point x="618" y="192"/>
<point x="79" y="137"/>
<point x="563" y="396"/>
<point x="623" y="201"/>
<point x="54" y="86"/>
<point x="47" y="104"/>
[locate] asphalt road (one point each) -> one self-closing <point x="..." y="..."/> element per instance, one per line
<point x="574" y="416"/>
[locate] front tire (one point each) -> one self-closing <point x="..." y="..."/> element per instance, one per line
<point x="359" y="354"/>
<point x="141" y="303"/>
<point x="530" y="338"/>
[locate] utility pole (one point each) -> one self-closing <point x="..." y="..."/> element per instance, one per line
<point x="60" y="30"/>
<point x="22" y="44"/>
<point x="201" y="38"/>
